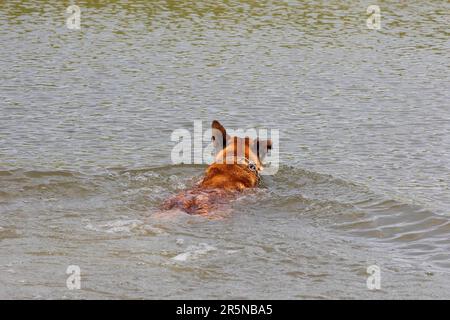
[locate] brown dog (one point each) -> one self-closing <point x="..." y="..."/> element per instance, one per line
<point x="236" y="167"/>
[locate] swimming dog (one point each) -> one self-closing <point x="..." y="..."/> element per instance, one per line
<point x="236" y="167"/>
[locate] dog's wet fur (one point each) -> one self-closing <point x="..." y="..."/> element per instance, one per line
<point x="237" y="164"/>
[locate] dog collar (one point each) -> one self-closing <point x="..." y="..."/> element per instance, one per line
<point x="252" y="167"/>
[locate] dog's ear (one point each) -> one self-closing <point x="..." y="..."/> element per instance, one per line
<point x="219" y="135"/>
<point x="269" y="144"/>
<point x="262" y="147"/>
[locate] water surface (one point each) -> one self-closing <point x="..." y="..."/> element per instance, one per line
<point x="85" y="124"/>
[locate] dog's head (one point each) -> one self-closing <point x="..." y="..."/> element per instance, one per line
<point x="232" y="150"/>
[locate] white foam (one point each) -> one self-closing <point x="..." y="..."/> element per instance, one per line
<point x="194" y="252"/>
<point x="125" y="226"/>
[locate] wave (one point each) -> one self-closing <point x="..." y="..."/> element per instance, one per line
<point x="346" y="207"/>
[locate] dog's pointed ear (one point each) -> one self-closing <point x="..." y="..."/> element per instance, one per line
<point x="219" y="134"/>
<point x="269" y="144"/>
<point x="262" y="147"/>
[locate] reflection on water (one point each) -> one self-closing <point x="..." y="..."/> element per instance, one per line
<point x="85" y="124"/>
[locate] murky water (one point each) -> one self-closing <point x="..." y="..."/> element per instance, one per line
<point x="85" y="124"/>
